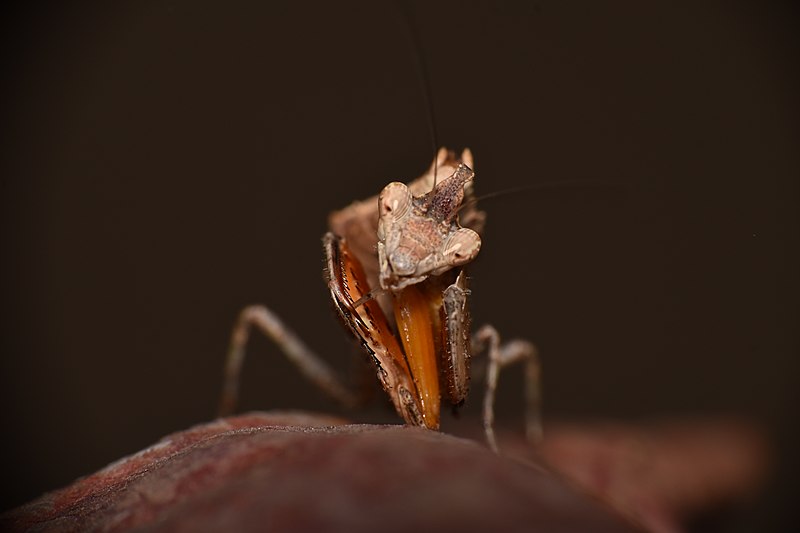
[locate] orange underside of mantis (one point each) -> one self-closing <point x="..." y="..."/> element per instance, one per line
<point x="412" y="311"/>
<point x="416" y="313"/>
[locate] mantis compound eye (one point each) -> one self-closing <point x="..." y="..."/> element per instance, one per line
<point x="461" y="247"/>
<point x="394" y="200"/>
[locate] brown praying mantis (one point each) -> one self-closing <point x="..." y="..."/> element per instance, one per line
<point x="395" y="268"/>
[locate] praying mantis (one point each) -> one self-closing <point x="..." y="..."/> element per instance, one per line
<point x="395" y="269"/>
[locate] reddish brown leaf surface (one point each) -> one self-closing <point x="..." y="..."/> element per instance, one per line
<point x="294" y="472"/>
<point x="301" y="472"/>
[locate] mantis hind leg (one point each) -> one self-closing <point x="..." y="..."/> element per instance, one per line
<point x="306" y="360"/>
<point x="500" y="356"/>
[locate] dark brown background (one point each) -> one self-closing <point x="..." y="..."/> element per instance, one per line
<point x="168" y="163"/>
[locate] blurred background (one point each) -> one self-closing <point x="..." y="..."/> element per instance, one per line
<point x="168" y="163"/>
